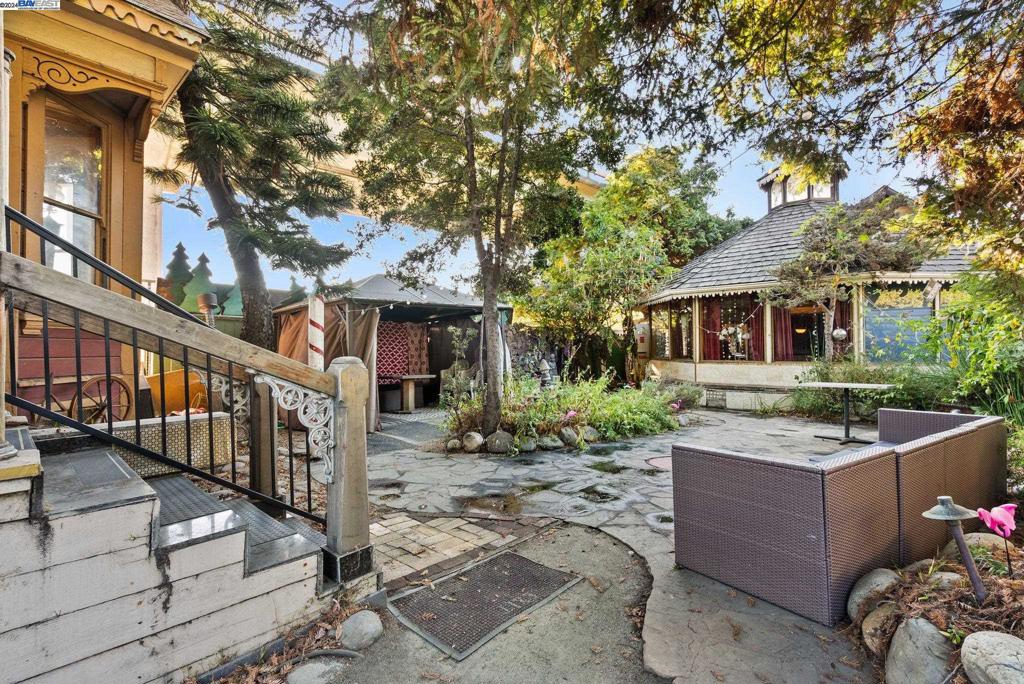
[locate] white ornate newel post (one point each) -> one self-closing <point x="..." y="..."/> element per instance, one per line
<point x="7" y="450"/>
<point x="348" y="555"/>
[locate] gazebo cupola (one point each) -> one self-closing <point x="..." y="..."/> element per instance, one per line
<point x="787" y="189"/>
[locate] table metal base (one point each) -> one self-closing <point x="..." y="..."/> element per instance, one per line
<point x="845" y="439"/>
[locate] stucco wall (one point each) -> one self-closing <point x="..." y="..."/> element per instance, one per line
<point x="739" y="373"/>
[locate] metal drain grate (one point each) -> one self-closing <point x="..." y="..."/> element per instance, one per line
<point x="463" y="612"/>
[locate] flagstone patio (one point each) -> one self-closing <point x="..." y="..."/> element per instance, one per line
<point x="696" y="629"/>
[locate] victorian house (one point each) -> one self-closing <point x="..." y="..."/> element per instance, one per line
<point x="709" y="326"/>
<point x="125" y="411"/>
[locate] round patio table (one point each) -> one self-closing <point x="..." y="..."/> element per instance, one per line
<point x="847" y="387"/>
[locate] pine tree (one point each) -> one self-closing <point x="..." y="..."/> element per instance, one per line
<point x="232" y="305"/>
<point x="178" y="273"/>
<point x="254" y="135"/>
<point x="199" y="284"/>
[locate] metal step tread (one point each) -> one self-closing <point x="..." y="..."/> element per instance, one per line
<point x="181" y="500"/>
<point x="89" y="480"/>
<point x="270" y="542"/>
<point x="318" y="538"/>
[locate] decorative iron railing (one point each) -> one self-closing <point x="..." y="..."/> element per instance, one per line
<point x="223" y="411"/>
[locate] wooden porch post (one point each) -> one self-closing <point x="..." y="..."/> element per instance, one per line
<point x="769" y="335"/>
<point x="7" y="450"/>
<point x="349" y="554"/>
<point x="262" y="438"/>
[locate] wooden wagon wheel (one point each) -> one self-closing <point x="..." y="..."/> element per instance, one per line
<point x="97" y="405"/>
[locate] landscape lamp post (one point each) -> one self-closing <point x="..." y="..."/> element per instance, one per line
<point x="952" y="514"/>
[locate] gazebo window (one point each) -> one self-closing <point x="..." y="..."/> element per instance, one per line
<point x="821" y="191"/>
<point x="775" y="197"/>
<point x="796" y="189"/>
<point x="894" y="321"/>
<point x="733" y="328"/>
<point x="659" y="331"/>
<point x="681" y="312"/>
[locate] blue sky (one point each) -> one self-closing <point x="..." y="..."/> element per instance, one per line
<point x="737" y="190"/>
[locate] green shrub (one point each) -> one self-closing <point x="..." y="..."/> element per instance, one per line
<point x="916" y="387"/>
<point x="531" y="410"/>
<point x="684" y="394"/>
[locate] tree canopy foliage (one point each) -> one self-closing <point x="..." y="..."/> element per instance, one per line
<point x="811" y="83"/>
<point x="651" y="216"/>
<point x="463" y="113"/>
<point x="255" y="134"/>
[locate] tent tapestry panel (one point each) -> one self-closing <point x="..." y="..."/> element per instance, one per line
<point x="419" y="361"/>
<point x="392" y="351"/>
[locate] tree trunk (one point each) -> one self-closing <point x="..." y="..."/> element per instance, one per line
<point x="493" y="351"/>
<point x="257" y="315"/>
<point x="830" y="321"/>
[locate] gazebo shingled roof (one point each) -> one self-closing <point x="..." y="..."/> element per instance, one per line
<point x="745" y="262"/>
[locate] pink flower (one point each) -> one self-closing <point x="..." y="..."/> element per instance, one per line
<point x="1000" y="519"/>
<point x="570" y="415"/>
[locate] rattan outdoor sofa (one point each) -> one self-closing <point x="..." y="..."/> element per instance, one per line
<point x="799" y="531"/>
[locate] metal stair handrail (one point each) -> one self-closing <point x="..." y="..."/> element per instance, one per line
<point x="48" y="236"/>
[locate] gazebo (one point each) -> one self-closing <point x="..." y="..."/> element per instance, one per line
<point x="708" y="325"/>
<point x="401" y="333"/>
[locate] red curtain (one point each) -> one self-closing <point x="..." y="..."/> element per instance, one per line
<point x="782" y="335"/>
<point x="711" y="349"/>
<point x="756" y="330"/>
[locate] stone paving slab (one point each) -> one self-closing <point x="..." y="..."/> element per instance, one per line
<point x="414" y="547"/>
<point x="696" y="630"/>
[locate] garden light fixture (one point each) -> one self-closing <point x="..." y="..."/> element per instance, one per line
<point x="952" y="514"/>
<point x="207" y="303"/>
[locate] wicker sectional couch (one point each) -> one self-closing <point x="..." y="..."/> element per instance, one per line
<point x="799" y="531"/>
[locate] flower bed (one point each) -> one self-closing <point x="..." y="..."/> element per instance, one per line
<point x="530" y="410"/>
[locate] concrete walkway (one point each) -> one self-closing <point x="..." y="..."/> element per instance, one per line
<point x="696" y="630"/>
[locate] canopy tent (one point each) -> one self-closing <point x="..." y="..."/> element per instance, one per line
<point x="396" y="331"/>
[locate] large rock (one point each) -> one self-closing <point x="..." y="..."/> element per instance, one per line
<point x="993" y="658"/>
<point x="944" y="579"/>
<point x="549" y="443"/>
<point x="360" y="630"/>
<point x="918" y="654"/>
<point x="314" y="671"/>
<point x="925" y="565"/>
<point x="471" y="442"/>
<point x="590" y="434"/>
<point x="527" y="445"/>
<point x="454" y="445"/>
<point x="499" y="442"/>
<point x="992" y="542"/>
<point x="878" y="580"/>
<point x="871" y="628"/>
<point x="569" y="437"/>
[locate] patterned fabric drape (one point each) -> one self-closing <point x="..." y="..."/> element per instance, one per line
<point x="392" y="351"/>
<point x="419" y="361"/>
<point x="711" y="349"/>
<point x="782" y="334"/>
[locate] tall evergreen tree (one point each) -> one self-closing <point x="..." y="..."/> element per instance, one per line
<point x="199" y="284"/>
<point x="254" y="135"/>
<point x="178" y="273"/>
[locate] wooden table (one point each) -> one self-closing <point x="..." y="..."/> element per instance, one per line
<point x="847" y="387"/>
<point x="409" y="390"/>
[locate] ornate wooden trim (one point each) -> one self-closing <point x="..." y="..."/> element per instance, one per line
<point x="68" y="74"/>
<point x="147" y="23"/>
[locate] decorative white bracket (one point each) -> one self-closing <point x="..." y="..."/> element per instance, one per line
<point x="316" y="414"/>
